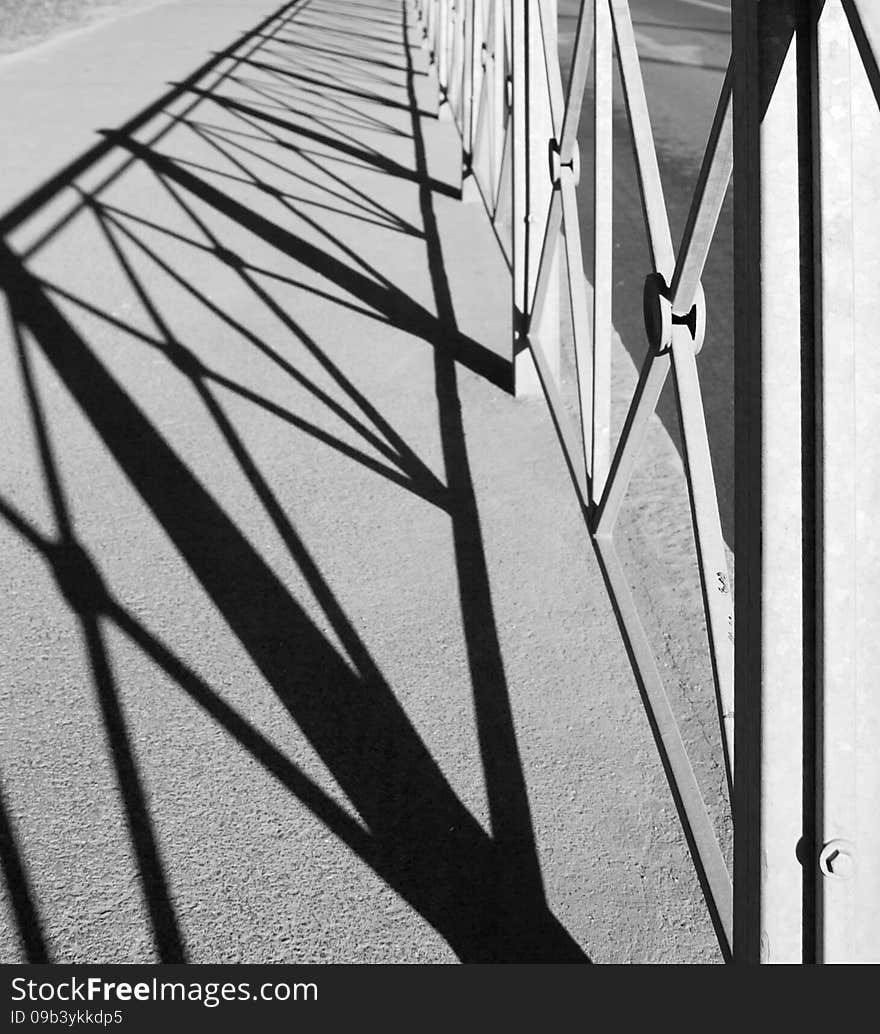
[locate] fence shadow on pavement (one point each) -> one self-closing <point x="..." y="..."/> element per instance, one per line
<point x="266" y="144"/>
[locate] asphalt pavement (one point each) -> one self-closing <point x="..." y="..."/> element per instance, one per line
<point x="304" y="654"/>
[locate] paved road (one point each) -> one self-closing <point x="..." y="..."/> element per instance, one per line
<point x="684" y="47"/>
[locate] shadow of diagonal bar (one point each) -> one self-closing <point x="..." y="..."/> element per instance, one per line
<point x="267" y="272"/>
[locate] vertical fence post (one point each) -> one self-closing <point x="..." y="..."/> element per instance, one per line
<point x="846" y="155"/>
<point x="603" y="245"/>
<point x="474" y="34"/>
<point x="524" y="374"/>
<point x="544" y="41"/>
<point x="443" y="50"/>
<point x="807" y="389"/>
<point x="532" y="187"/>
<point x="455" y="92"/>
<point x="469" y="76"/>
<point x="769" y="805"/>
<point x="433" y="12"/>
<point x="500" y="27"/>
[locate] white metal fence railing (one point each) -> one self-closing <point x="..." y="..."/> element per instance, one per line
<point x="498" y="69"/>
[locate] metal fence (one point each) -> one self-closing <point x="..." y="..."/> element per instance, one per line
<point x="805" y="786"/>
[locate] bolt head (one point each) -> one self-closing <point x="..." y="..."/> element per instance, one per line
<point x="837" y="859"/>
<point x="840" y="864"/>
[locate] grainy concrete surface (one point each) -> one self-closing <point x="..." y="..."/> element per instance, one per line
<point x="27" y="23"/>
<point x="305" y="653"/>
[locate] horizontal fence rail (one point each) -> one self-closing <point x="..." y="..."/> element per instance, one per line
<point x="499" y="75"/>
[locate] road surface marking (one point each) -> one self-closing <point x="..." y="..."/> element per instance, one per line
<point x="674" y="53"/>
<point x="707" y="4"/>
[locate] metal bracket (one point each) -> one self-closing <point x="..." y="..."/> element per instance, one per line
<point x="660" y="319"/>
<point x="557" y="165"/>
